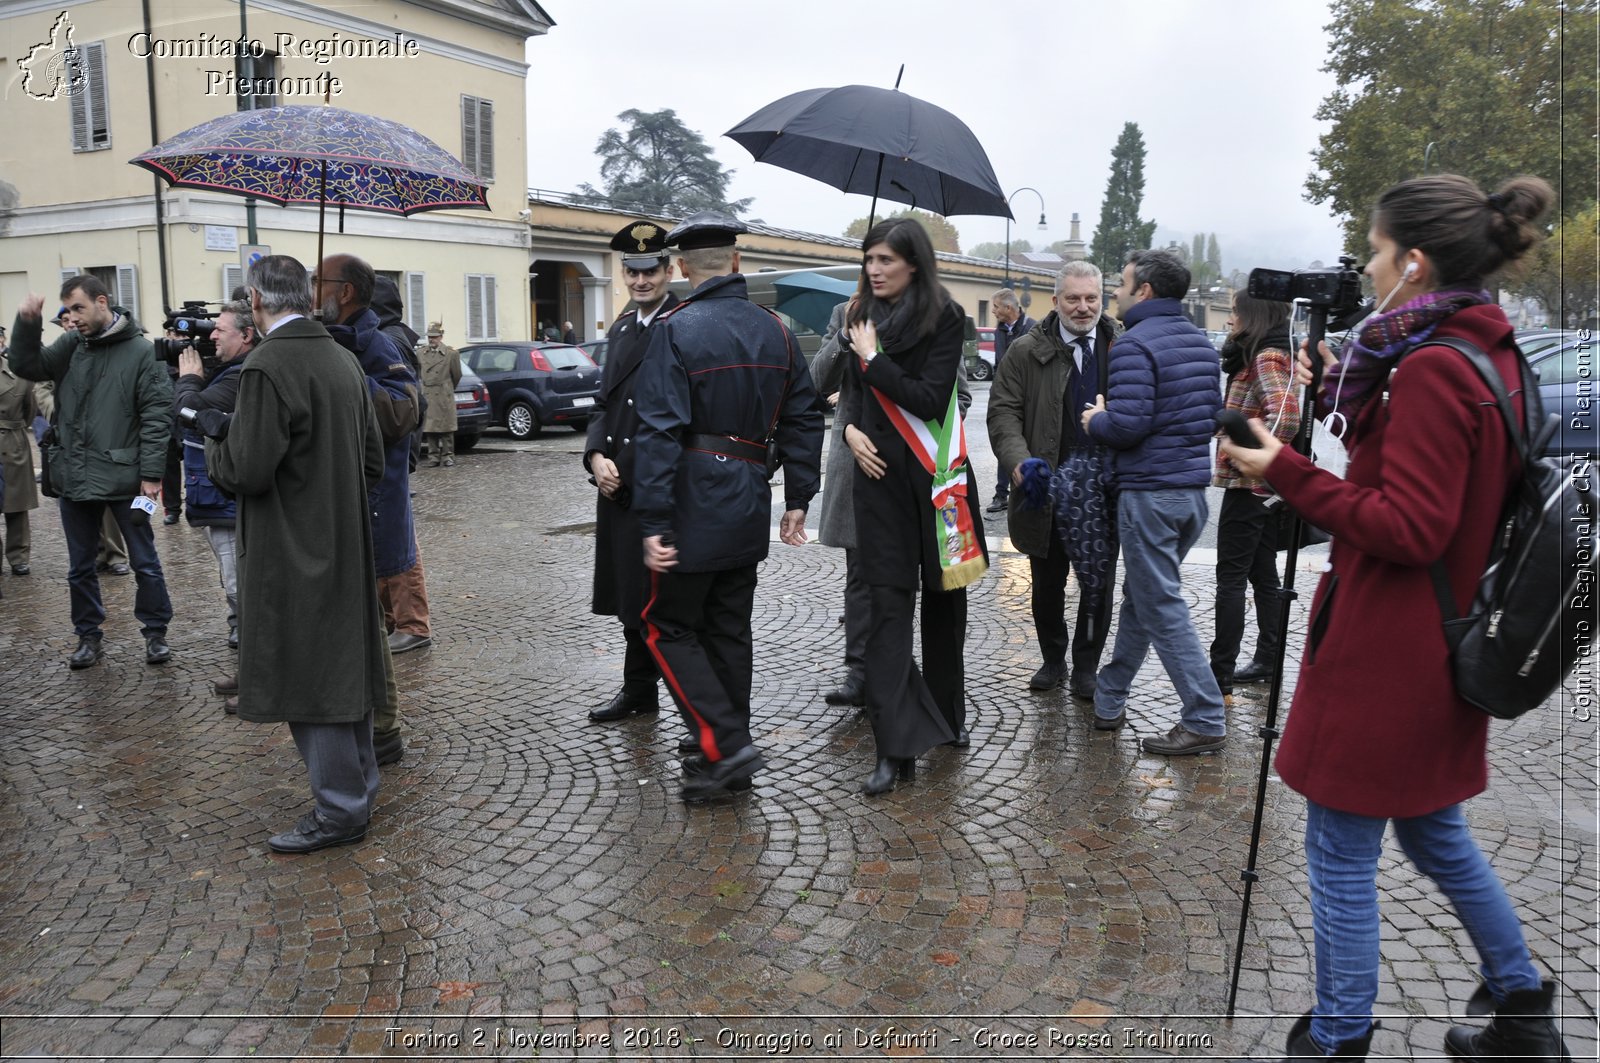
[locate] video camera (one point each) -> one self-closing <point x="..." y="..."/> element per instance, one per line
<point x="196" y="324"/>
<point x="1335" y="293"/>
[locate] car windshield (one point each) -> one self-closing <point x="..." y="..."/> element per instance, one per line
<point x="566" y="357"/>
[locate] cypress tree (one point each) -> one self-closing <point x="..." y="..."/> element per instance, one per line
<point x="1120" y="231"/>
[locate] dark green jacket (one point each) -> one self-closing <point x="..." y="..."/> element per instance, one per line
<point x="113" y="407"/>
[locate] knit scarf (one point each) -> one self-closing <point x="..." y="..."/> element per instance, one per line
<point x="1366" y="360"/>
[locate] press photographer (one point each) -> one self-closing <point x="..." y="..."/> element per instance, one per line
<point x="211" y="395"/>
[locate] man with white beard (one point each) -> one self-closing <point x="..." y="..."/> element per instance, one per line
<point x="1048" y="376"/>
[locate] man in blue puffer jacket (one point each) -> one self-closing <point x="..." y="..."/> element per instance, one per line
<point x="1165" y="391"/>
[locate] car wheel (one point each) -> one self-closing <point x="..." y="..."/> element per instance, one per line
<point x="467" y="441"/>
<point x="521" y="421"/>
<point x="982" y="371"/>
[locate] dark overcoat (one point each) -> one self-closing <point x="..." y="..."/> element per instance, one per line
<point x="620" y="577"/>
<point x="895" y="541"/>
<point x="1376" y="728"/>
<point x="1028" y="415"/>
<point x="303" y="451"/>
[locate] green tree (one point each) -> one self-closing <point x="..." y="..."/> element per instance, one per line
<point x="1485" y="88"/>
<point x="1214" y="255"/>
<point x="1197" y="252"/>
<point x="1562" y="273"/>
<point x="996" y="249"/>
<point x="661" y="166"/>
<point x="1120" y="231"/>
<point x="940" y="231"/>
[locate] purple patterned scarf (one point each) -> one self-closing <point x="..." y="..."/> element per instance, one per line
<point x="1365" y="362"/>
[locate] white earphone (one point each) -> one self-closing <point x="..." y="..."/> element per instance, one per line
<point x="1411" y="268"/>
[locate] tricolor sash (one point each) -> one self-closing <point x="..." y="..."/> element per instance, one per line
<point x="941" y="447"/>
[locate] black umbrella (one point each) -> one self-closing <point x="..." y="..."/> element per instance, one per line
<point x="877" y="142"/>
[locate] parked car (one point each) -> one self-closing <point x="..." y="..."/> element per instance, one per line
<point x="596" y="350"/>
<point x="533" y="385"/>
<point x="1565" y="363"/>
<point x="980" y="365"/>
<point x="472" y="409"/>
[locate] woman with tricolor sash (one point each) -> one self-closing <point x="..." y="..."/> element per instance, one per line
<point x="917" y="521"/>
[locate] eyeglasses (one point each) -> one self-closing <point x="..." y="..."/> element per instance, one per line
<point x="317" y="282"/>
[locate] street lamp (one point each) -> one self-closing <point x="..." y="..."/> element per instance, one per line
<point x="1009" y="198"/>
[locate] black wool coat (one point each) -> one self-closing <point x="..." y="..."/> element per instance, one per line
<point x="895" y="540"/>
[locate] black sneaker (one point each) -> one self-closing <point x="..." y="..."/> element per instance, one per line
<point x="156" y="650"/>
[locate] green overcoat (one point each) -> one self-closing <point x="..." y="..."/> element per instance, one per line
<point x="302" y="452"/>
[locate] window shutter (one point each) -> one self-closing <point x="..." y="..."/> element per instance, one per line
<point x="474" y="307"/>
<point x="91" y="120"/>
<point x="485" y="168"/>
<point x="491" y="314"/>
<point x="232" y="277"/>
<point x="69" y="272"/>
<point x="128" y="288"/>
<point x="416" y="305"/>
<point x="469" y="132"/>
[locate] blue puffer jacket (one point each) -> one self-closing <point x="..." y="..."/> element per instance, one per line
<point x="393" y="389"/>
<point x="1165" y="383"/>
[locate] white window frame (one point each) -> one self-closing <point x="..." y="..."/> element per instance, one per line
<point x="90" y="99"/>
<point x="483" y="314"/>
<point x="477" y="135"/>
<point x="416" y="296"/>
<point x="127" y="293"/>
<point x="232" y="277"/>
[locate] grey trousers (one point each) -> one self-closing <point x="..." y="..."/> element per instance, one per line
<point x="19" y="538"/>
<point x="222" y="545"/>
<point x="342" y="770"/>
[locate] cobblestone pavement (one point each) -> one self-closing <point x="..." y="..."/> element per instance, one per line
<point x="533" y="887"/>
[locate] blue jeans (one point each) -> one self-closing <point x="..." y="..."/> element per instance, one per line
<point x="1342" y="851"/>
<point x="80" y="522"/>
<point x="1157" y="529"/>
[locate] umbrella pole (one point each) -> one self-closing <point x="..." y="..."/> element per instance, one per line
<point x="322" y="214"/>
<point x="877" y="178"/>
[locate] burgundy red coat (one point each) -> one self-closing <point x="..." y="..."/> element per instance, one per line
<point x="1376" y="728"/>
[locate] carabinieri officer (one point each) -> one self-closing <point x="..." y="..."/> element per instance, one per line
<point x="620" y="577"/>
<point x="724" y="397"/>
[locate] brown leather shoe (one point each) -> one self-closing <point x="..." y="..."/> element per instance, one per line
<point x="226" y="686"/>
<point x="1181" y="742"/>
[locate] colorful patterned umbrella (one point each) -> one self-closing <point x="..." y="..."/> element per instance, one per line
<point x="321" y="155"/>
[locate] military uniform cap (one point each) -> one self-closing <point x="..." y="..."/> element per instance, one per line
<point x="643" y="244"/>
<point x="708" y="228"/>
<point x="436" y="328"/>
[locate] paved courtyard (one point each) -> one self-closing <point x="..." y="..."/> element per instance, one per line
<point x="533" y="888"/>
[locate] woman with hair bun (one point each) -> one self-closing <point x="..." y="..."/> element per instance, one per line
<point x="1377" y="734"/>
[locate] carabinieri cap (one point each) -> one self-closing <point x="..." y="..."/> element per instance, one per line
<point x="643" y="245"/>
<point x="708" y="228"/>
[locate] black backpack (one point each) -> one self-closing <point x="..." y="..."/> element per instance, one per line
<point x="1533" y="616"/>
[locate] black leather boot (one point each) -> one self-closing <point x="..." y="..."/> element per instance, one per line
<point x="625" y="704"/>
<point x="1523" y="1027"/>
<point x="87" y="653"/>
<point x="883" y="777"/>
<point x="1301" y="1046"/>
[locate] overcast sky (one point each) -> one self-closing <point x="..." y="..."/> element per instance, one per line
<point x="1223" y="92"/>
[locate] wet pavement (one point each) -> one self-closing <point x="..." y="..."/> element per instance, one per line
<point x="532" y="886"/>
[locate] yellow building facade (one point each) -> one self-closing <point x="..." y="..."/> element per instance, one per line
<point x="70" y="202"/>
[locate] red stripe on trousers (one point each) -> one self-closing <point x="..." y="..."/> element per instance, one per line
<point x="708" y="742"/>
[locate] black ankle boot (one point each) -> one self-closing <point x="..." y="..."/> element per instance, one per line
<point x="1523" y="1026"/>
<point x="1300" y="1045"/>
<point x="881" y="781"/>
